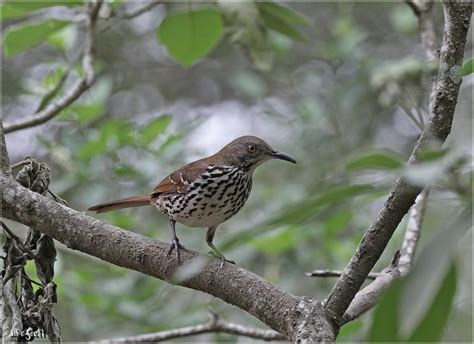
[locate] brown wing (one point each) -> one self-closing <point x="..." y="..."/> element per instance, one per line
<point x="179" y="181"/>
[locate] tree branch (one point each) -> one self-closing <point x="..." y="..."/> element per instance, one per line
<point x="140" y="10"/>
<point x="296" y="318"/>
<point x="215" y="324"/>
<point x="370" y="295"/>
<point x="403" y="195"/>
<point x="337" y="273"/>
<point x="76" y="90"/>
<point x="422" y="10"/>
<point x="412" y="233"/>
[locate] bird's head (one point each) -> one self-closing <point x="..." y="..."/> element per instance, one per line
<point x="248" y="152"/>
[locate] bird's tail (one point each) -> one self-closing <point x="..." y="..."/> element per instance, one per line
<point x="134" y="201"/>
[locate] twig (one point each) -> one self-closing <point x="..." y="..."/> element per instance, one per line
<point x="403" y="194"/>
<point x="337" y="273"/>
<point x="140" y="10"/>
<point x="215" y="324"/>
<point x="412" y="233"/>
<point x="76" y="90"/>
<point x="22" y="163"/>
<point x="410" y="115"/>
<point x="422" y="10"/>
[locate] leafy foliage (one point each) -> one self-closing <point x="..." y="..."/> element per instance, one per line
<point x="190" y="35"/>
<point x="322" y="86"/>
<point x="375" y="160"/>
<point x="21" y="38"/>
<point x="468" y="67"/>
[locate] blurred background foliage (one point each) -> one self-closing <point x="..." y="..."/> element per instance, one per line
<point x="342" y="87"/>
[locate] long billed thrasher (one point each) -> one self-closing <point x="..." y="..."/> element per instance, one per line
<point x="206" y="192"/>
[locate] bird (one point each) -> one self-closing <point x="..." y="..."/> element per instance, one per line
<point x="206" y="192"/>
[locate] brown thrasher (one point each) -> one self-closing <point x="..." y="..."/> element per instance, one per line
<point x="206" y="192"/>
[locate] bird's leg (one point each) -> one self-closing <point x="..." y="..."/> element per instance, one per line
<point x="175" y="241"/>
<point x="215" y="252"/>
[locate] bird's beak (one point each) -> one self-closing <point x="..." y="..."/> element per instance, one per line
<point x="283" y="156"/>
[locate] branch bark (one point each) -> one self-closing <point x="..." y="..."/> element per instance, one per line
<point x="412" y="233"/>
<point x="370" y="295"/>
<point x="403" y="195"/>
<point x="297" y="318"/>
<point x="76" y="90"/>
<point x="215" y="324"/>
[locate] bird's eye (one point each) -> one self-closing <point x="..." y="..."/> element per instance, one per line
<point x="252" y="149"/>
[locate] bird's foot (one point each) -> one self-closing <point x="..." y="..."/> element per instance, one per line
<point x="176" y="245"/>
<point x="222" y="258"/>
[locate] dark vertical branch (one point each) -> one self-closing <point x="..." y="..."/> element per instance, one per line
<point x="457" y="19"/>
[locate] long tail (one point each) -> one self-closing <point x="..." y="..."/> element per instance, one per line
<point x="134" y="201"/>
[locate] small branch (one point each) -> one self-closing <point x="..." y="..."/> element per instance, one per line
<point x="412" y="233"/>
<point x="140" y="10"/>
<point x="403" y="195"/>
<point x="370" y="295"/>
<point x="422" y="10"/>
<point x="76" y="90"/>
<point x="215" y="324"/>
<point x="337" y="273"/>
<point x="418" y="123"/>
<point x="22" y="163"/>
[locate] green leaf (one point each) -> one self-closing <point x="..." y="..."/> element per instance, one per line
<point x="282" y="12"/>
<point x="468" y="67"/>
<point x="337" y="222"/>
<point x="422" y="285"/>
<point x="190" y="35"/>
<point x="21" y="38"/>
<point x="278" y="25"/>
<point x="386" y="322"/>
<point x="300" y="211"/>
<point x="154" y="128"/>
<point x="276" y="241"/>
<point x="15" y="9"/>
<point x="431" y="327"/>
<point x="49" y="96"/>
<point x="86" y="113"/>
<point x="375" y="160"/>
<point x="432" y="154"/>
<point x="9" y="12"/>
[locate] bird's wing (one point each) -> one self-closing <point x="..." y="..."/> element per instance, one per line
<point x="179" y="181"/>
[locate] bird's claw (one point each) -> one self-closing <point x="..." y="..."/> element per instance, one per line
<point x="222" y="258"/>
<point x="175" y="244"/>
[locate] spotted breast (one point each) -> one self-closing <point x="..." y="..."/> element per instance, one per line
<point x="211" y="199"/>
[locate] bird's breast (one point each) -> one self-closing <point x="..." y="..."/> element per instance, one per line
<point x="213" y="198"/>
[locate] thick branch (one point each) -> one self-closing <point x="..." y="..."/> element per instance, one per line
<point x="402" y="195"/>
<point x="297" y="318"/>
<point x="76" y="90"/>
<point x="215" y="324"/>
